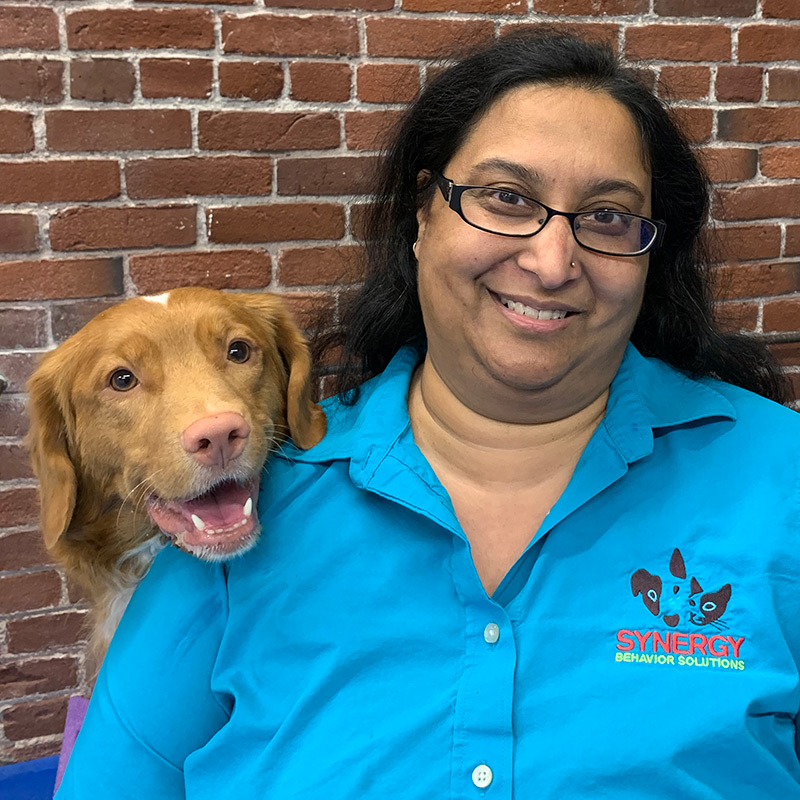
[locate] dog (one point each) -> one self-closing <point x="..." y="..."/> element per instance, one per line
<point x="152" y="424"/>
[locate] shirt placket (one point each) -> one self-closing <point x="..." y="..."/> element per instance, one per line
<point x="483" y="742"/>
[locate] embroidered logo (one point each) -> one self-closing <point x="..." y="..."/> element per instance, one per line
<point x="678" y="603"/>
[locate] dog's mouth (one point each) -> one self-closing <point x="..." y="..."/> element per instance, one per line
<point x="214" y="525"/>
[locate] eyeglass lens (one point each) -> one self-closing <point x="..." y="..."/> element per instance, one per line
<point x="512" y="214"/>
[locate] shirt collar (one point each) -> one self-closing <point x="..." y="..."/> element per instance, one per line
<point x="646" y="397"/>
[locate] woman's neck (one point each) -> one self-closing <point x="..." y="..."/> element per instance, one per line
<point x="483" y="451"/>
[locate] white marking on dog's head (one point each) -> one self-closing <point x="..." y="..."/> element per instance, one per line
<point x="158" y="298"/>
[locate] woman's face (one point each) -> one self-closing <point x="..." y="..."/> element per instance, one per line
<point x="573" y="150"/>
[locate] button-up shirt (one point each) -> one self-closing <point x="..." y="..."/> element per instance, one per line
<point x="645" y="645"/>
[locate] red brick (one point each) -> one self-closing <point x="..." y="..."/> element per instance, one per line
<point x="253" y="80"/>
<point x="209" y="175"/>
<point x="14" y="465"/>
<point x="338" y="5"/>
<point x="28" y="28"/>
<point x="16" y="132"/>
<point x="591" y="7"/>
<point x="57" y="181"/>
<point x="91" y="228"/>
<point x="313" y="266"/>
<point x="757" y="280"/>
<point x="327" y="176"/>
<point x="46" y="631"/>
<point x="311" y="309"/>
<point x="39" y="80"/>
<point x="787" y="354"/>
<point x="780" y="9"/>
<point x="272" y="34"/>
<point x="679" y="42"/>
<point x="725" y="164"/>
<point x="58" y="279"/>
<point x="736" y="83"/>
<point x="68" y="318"/>
<point x="18" y="233"/>
<point x="424" y="38"/>
<point x="13" y="418"/>
<point x="17" y="368"/>
<point x="358" y="219"/>
<point x="751" y="242"/>
<point x="264" y="130"/>
<point x="705" y="8"/>
<point x="759" y="124"/>
<point x="276" y="222"/>
<point x="784" y="84"/>
<point x="697" y="123"/>
<point x="779" y="42"/>
<point x="218" y="269"/>
<point x="780" y="162"/>
<point x="387" y="83"/>
<point x="792" y="240"/>
<point x="369" y="130"/>
<point x="200" y="2"/>
<point x="106" y="80"/>
<point x="737" y="316"/>
<point x="36" y="718"/>
<point x="476" y="6"/>
<point x="320" y="81"/>
<point x="757" y="202"/>
<point x="22" y="328"/>
<point x="33" y="749"/>
<point x="684" y="83"/>
<point x="121" y="29"/>
<point x="782" y="315"/>
<point x="22" y="677"/>
<point x="794" y="379"/>
<point x="29" y="591"/>
<point x="604" y="32"/>
<point x="176" y="77"/>
<point x="140" y="129"/>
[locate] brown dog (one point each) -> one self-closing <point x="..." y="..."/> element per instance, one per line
<point x="153" y="423"/>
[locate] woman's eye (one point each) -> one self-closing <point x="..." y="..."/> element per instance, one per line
<point x="238" y="351"/>
<point x="608" y="217"/>
<point x="509" y="198"/>
<point x="122" y="380"/>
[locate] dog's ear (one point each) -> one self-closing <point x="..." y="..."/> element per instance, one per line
<point x="305" y="418"/>
<point x="47" y="444"/>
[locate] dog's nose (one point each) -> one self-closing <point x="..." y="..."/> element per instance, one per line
<point x="216" y="440"/>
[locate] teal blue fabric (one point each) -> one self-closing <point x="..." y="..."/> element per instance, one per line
<point x="345" y="655"/>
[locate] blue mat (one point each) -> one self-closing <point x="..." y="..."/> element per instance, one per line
<point x="29" y="780"/>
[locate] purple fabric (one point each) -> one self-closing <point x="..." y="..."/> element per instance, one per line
<point x="76" y="711"/>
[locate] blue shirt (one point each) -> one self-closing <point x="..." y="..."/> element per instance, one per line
<point x="646" y="645"/>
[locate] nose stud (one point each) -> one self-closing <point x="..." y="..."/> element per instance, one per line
<point x="572" y="264"/>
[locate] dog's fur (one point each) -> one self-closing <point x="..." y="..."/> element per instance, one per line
<point x="104" y="456"/>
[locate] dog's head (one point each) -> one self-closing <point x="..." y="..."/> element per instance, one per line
<point x="170" y="403"/>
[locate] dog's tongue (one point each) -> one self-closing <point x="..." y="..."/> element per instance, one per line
<point x="221" y="507"/>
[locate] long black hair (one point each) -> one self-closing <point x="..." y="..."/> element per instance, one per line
<point x="676" y="322"/>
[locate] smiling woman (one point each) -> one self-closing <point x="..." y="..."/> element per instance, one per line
<point x="548" y="470"/>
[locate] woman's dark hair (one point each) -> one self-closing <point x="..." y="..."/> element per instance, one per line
<point x="676" y="322"/>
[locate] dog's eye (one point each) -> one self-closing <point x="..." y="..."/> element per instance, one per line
<point x="122" y="380"/>
<point x="238" y="351"/>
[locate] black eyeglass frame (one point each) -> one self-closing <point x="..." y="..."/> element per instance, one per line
<point x="452" y="194"/>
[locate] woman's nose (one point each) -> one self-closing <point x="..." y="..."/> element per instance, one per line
<point x="551" y="253"/>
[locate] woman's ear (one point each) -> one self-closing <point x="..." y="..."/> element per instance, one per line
<point x="47" y="444"/>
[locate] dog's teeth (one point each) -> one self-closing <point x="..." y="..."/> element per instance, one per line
<point x="248" y="507"/>
<point x="198" y="523"/>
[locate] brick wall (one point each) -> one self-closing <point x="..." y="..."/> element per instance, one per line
<point x="145" y="145"/>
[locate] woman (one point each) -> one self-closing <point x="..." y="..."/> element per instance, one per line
<point x="526" y="559"/>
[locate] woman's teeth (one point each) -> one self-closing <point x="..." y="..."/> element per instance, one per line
<point x="533" y="313"/>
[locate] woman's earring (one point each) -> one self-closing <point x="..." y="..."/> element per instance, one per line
<point x="414" y="247"/>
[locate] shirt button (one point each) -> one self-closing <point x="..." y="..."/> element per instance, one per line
<point x="482" y="776"/>
<point x="491" y="633"/>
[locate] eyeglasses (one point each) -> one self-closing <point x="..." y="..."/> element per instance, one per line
<point x="506" y="213"/>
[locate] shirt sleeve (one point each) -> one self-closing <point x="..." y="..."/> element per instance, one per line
<point x="153" y="703"/>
